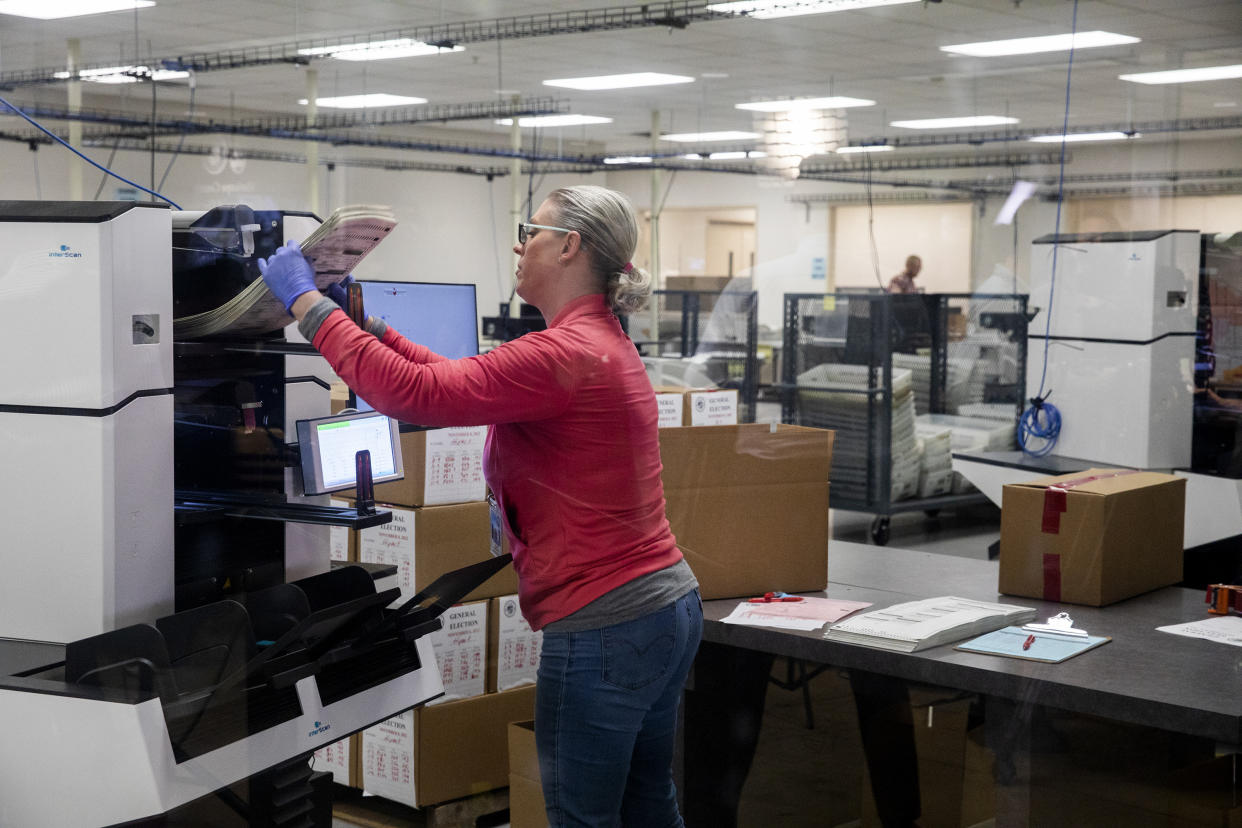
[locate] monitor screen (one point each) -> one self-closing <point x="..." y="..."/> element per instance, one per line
<point x="442" y="317"/>
<point x="328" y="446"/>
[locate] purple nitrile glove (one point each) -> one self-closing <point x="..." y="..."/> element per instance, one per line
<point x="339" y="292"/>
<point x="287" y="273"/>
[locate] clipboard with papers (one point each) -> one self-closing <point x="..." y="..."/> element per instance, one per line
<point x="1052" y="642"/>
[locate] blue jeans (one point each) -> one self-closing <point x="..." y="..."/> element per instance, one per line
<point x="606" y="718"/>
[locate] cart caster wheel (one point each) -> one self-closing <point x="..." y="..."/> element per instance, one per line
<point x="879" y="531"/>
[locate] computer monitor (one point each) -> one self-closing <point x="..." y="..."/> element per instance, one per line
<point x="328" y="447"/>
<point x="443" y="317"/>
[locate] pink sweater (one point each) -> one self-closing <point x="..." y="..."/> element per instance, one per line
<point x="573" y="456"/>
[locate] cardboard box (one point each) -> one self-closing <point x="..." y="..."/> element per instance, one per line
<point x="513" y="647"/>
<point x="342" y="541"/>
<point x="526" y="804"/>
<point x="1092" y="537"/>
<point x="445" y="752"/>
<point x="461" y="651"/>
<point x="428" y="542"/>
<point x="338" y="759"/>
<point x="696" y="406"/>
<point x="749" y="505"/>
<point x="442" y="466"/>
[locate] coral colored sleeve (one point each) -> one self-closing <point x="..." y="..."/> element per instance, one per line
<point x="528" y="379"/>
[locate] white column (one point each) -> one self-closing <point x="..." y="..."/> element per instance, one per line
<point x="74" y="92"/>
<point x="515" y="198"/>
<point x="312" y="147"/>
<point x="654" y="261"/>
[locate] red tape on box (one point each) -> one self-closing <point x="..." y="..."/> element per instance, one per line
<point x="1055" y="501"/>
<point x="1052" y="577"/>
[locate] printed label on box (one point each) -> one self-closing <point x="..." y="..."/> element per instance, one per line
<point x="338" y="536"/>
<point x="713" y="408"/>
<point x="670" y="409"/>
<point x="461" y="651"/>
<point x="518" y="646"/>
<point x="392" y="543"/>
<point x="334" y="758"/>
<point x="388" y="759"/>
<point x="454" y="469"/>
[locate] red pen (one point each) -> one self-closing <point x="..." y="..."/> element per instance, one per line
<point x="1030" y="639"/>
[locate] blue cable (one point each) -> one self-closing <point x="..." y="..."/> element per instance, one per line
<point x="63" y="143"/>
<point x="1030" y="424"/>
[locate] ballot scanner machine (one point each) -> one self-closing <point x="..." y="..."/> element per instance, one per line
<point x="1120" y="343"/>
<point x="171" y="632"/>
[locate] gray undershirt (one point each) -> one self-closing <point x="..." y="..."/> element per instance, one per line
<point x="634" y="599"/>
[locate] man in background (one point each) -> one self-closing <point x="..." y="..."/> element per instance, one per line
<point x="903" y="282"/>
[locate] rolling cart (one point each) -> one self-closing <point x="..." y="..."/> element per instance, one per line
<point x="873" y="365"/>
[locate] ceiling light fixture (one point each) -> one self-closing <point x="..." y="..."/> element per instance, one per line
<point x="629" y="81"/>
<point x="1035" y="45"/>
<point x="770" y="9"/>
<point x="401" y="47"/>
<point x="736" y="155"/>
<point x="628" y="159"/>
<point x="725" y="135"/>
<point x="1203" y="73"/>
<point x="556" y="120"/>
<point x="799" y="104"/>
<point x="1084" y="136"/>
<point x="368" y="101"/>
<point x="867" y="148"/>
<point x="124" y="74"/>
<point x="950" y="123"/>
<point x="57" y="9"/>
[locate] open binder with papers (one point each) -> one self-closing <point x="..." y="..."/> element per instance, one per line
<point x="918" y="625"/>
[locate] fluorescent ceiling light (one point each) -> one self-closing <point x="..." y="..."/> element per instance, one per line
<point x="401" y="47"/>
<point x="867" y="148"/>
<point x="56" y="9"/>
<point x="1204" y="73"/>
<point x="1034" y="45"/>
<point x="629" y="81"/>
<point x="556" y="120"/>
<point x="628" y="159"/>
<point x="1084" y="136"/>
<point x="373" y="99"/>
<point x="949" y="123"/>
<point x="799" y="104"/>
<point x="694" y="137"/>
<point x="769" y="9"/>
<point x="736" y="156"/>
<point x="124" y="74"/>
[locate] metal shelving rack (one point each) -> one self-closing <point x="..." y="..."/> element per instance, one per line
<point x="838" y="372"/>
<point x="699" y="338"/>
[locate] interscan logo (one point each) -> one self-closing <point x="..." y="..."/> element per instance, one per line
<point x="320" y="727"/>
<point x="64" y="252"/>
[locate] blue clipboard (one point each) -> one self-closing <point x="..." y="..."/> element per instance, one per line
<point x="1046" y="646"/>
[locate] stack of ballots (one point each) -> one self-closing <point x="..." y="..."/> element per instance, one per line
<point x="936" y="460"/>
<point x="833" y="396"/>
<point x="965" y="434"/>
<point x="918" y="625"/>
<point x="963" y="381"/>
<point x="333" y="249"/>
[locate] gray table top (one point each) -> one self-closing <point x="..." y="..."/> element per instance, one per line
<point x="1142" y="676"/>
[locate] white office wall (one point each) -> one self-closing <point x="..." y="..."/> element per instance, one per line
<point x="939" y="234"/>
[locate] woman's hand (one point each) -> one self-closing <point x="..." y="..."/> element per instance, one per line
<point x="288" y="275"/>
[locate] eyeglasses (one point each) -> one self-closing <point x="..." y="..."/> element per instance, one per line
<point x="525" y="227"/>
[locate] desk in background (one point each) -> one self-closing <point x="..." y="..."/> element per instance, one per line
<point x="1187" y="688"/>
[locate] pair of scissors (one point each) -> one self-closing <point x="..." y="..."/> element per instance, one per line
<point x="774" y="597"/>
